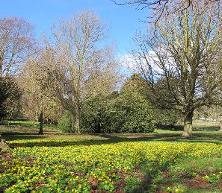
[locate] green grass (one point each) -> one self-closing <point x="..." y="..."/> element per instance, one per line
<point x="24" y="123"/>
<point x="203" y="174"/>
<point x="162" y="161"/>
<point x="24" y="127"/>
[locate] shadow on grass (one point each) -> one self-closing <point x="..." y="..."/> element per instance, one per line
<point x="144" y="185"/>
<point x="22" y="136"/>
<point x="206" y="128"/>
<point x="99" y="139"/>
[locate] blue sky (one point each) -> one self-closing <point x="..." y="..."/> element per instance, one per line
<point x="122" y="21"/>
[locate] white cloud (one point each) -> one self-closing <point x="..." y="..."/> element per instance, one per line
<point x="127" y="61"/>
<point x="134" y="65"/>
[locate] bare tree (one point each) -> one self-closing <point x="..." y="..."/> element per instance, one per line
<point x="16" y="44"/>
<point x="78" y="67"/>
<point x="37" y="99"/>
<point x="182" y="59"/>
<point x="163" y="8"/>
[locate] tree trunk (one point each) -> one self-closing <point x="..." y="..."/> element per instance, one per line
<point x="220" y="126"/>
<point x="188" y="118"/>
<point x="40" y="119"/>
<point x="1" y="66"/>
<point x="97" y="122"/>
<point x="76" y="120"/>
<point x="1" y="73"/>
<point x="97" y="126"/>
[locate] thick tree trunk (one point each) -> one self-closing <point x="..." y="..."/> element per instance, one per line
<point x="76" y="121"/>
<point x="188" y="118"/>
<point x="220" y="126"/>
<point x="40" y="119"/>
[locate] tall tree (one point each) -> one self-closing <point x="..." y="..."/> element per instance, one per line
<point x="78" y="67"/>
<point x="184" y="57"/>
<point x="16" y="43"/>
<point x="162" y="8"/>
<point x="37" y="99"/>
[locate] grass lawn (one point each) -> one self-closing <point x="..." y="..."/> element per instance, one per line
<point x="160" y="162"/>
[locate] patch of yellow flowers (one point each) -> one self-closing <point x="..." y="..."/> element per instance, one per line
<point x="85" y="168"/>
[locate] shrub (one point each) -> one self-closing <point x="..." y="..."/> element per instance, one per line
<point x="9" y="97"/>
<point x="100" y="114"/>
<point x="126" y="112"/>
<point x="168" y="119"/>
<point x="65" y="122"/>
<point x="138" y="113"/>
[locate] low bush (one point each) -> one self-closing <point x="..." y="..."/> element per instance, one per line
<point x="65" y="123"/>
<point x="127" y="112"/>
